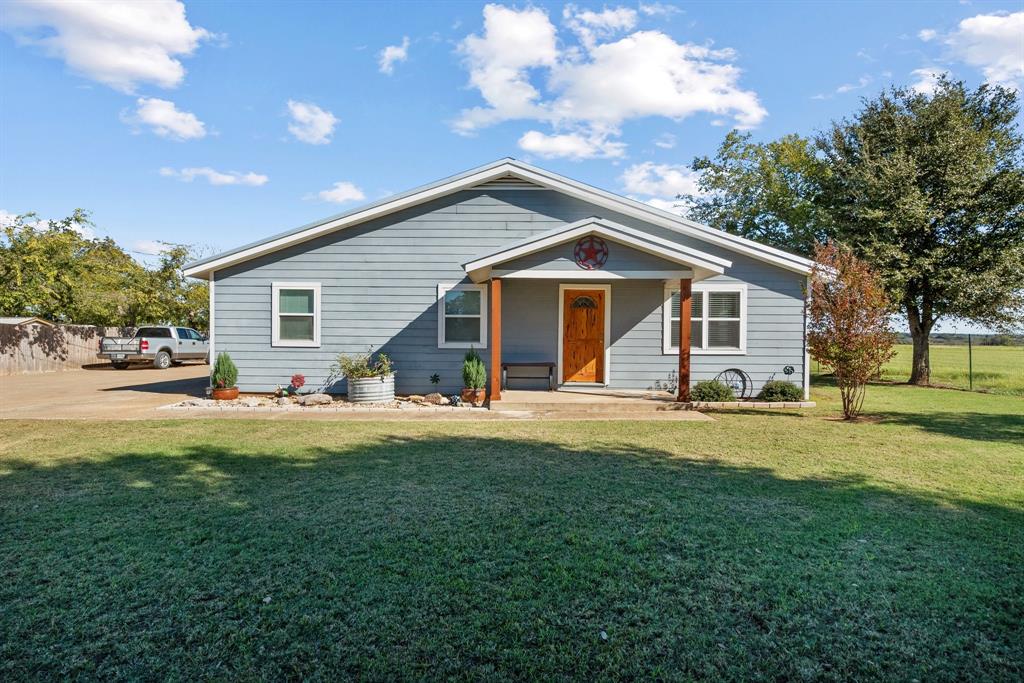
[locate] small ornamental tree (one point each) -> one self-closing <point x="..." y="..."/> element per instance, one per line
<point x="225" y="374"/>
<point x="848" y="322"/>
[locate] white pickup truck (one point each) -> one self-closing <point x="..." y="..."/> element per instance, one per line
<point x="161" y="345"/>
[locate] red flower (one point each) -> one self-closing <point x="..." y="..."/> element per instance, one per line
<point x="298" y="380"/>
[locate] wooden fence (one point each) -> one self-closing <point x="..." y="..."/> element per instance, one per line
<point x="40" y="348"/>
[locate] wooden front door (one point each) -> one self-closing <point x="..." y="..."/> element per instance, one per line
<point x="583" y="335"/>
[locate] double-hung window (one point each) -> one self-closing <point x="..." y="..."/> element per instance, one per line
<point x="461" y="316"/>
<point x="718" y="319"/>
<point x="296" y="314"/>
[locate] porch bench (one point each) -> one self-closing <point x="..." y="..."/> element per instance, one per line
<point x="548" y="366"/>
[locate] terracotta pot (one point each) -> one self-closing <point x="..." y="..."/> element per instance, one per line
<point x="474" y="396"/>
<point x="228" y="394"/>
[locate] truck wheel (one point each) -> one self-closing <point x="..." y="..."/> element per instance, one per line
<point x="162" y="360"/>
<point x="120" y="366"/>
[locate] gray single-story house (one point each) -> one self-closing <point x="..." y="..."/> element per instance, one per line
<point x="522" y="264"/>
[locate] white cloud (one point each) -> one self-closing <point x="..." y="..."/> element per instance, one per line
<point x="927" y="34"/>
<point x="655" y="9"/>
<point x="590" y="25"/>
<point x="993" y="43"/>
<point x="570" y="145"/>
<point x="593" y="87"/>
<point x="391" y="54"/>
<point x="341" y="192"/>
<point x="119" y="44"/>
<point x="660" y="180"/>
<point x="513" y="42"/>
<point x="665" y="141"/>
<point x="148" y="247"/>
<point x="166" y="119"/>
<point x="215" y="177"/>
<point x="861" y="83"/>
<point x="310" y="123"/>
<point x="927" y="79"/>
<point x="672" y="205"/>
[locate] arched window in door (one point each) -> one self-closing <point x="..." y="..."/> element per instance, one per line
<point x="583" y="302"/>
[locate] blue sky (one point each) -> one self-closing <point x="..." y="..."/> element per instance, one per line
<point x="219" y="123"/>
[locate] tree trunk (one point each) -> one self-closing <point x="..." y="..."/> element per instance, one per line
<point x="920" y="368"/>
<point x="920" y="329"/>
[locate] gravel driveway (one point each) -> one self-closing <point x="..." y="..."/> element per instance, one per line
<point x="99" y="392"/>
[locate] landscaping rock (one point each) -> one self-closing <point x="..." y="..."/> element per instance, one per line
<point x="251" y="402"/>
<point x="283" y="401"/>
<point x="436" y="399"/>
<point x="315" y="399"/>
<point x="416" y="398"/>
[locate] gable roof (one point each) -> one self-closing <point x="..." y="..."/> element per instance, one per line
<point x="507" y="172"/>
<point x="25" y="320"/>
<point x="638" y="239"/>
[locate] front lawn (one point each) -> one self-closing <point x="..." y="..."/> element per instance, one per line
<point x="786" y="546"/>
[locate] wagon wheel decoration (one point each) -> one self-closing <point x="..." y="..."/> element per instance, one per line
<point x="737" y="380"/>
<point x="591" y="252"/>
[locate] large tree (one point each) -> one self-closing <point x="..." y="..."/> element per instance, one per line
<point x="929" y="189"/>
<point x="762" y="191"/>
<point x="53" y="271"/>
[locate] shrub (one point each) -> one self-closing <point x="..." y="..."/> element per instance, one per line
<point x="225" y="374"/>
<point x="848" y="323"/>
<point x="712" y="390"/>
<point x="363" y="365"/>
<point x="474" y="374"/>
<point x="780" y="390"/>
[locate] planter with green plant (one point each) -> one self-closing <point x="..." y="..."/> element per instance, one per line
<point x="223" y="379"/>
<point x="370" y="379"/>
<point x="474" y="379"/>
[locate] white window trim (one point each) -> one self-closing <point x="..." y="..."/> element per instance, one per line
<point x="607" y="289"/>
<point x="443" y="289"/>
<point x="275" y="305"/>
<point x="666" y="320"/>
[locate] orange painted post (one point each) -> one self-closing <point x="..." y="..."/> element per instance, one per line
<point x="495" y="339"/>
<point x="685" y="301"/>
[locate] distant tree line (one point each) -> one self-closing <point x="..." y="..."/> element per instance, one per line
<point x="54" y="272"/>
<point x="927" y="188"/>
<point x="958" y="339"/>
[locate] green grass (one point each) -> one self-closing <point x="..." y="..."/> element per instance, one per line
<point x="760" y="546"/>
<point x="999" y="369"/>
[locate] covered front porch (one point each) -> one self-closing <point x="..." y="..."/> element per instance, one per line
<point x="582" y="304"/>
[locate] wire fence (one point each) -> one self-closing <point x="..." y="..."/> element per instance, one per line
<point x="974" y="367"/>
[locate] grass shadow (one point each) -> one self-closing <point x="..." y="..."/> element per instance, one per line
<point x="450" y="556"/>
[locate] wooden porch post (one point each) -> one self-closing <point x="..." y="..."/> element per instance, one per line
<point x="495" y="339"/>
<point x="685" y="294"/>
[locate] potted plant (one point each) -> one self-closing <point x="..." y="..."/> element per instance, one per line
<point x="370" y="380"/>
<point x="223" y="379"/>
<point x="474" y="378"/>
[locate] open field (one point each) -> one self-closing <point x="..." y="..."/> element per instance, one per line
<point x="759" y="546"/>
<point x="999" y="369"/>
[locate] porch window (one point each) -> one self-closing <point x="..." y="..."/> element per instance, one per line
<point x="296" y="314"/>
<point x="718" y="322"/>
<point x="461" y="316"/>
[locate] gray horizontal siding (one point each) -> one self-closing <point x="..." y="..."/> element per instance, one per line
<point x="562" y="257"/>
<point x="379" y="285"/>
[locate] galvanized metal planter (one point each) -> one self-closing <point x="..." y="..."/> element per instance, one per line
<point x="372" y="389"/>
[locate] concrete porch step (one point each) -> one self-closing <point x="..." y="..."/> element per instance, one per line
<point x="610" y="409"/>
<point x="596" y="402"/>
